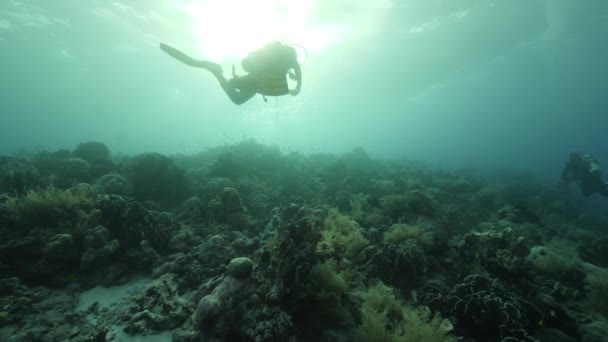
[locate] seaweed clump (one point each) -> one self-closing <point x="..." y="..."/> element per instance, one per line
<point x="344" y="235"/>
<point x="401" y="232"/>
<point x="385" y="318"/>
<point x="597" y="291"/>
<point x="66" y="209"/>
<point x="414" y="203"/>
<point x="47" y="232"/>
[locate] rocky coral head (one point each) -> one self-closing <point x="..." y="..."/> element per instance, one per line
<point x="240" y="267"/>
<point x="155" y="177"/>
<point x="92" y="151"/>
<point x="220" y="313"/>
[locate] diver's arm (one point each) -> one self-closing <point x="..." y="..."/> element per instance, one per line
<point x="298" y="79"/>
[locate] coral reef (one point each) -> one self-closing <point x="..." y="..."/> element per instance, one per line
<point x="244" y="242"/>
<point x="156" y="178"/>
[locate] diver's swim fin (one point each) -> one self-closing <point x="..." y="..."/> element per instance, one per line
<point x="182" y="57"/>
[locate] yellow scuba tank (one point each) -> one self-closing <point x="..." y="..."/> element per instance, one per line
<point x="272" y="84"/>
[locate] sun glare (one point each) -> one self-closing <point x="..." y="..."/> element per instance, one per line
<point x="227" y="29"/>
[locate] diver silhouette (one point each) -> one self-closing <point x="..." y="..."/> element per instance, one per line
<point x="584" y="170"/>
<point x="267" y="70"/>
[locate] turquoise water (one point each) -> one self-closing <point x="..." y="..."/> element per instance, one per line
<point x="413" y="190"/>
<point x="492" y="84"/>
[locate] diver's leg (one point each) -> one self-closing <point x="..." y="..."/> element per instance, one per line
<point x="182" y="57"/>
<point x="236" y="96"/>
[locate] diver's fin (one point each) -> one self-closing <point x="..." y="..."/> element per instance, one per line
<point x="180" y="56"/>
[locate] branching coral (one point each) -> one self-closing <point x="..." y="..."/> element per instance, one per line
<point x="503" y="253"/>
<point x="485" y="311"/>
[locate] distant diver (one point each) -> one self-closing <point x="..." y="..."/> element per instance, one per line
<point x="267" y="68"/>
<point x="584" y="170"/>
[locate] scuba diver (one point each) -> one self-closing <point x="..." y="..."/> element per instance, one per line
<point x="584" y="170"/>
<point x="267" y="68"/>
